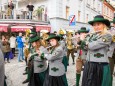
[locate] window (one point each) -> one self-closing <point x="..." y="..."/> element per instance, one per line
<point x="88" y="1"/>
<point x="79" y="14"/>
<point x="67" y="12"/>
<point x="107" y="10"/>
<point x="93" y="3"/>
<point x="87" y="16"/>
<point x="112" y="14"/>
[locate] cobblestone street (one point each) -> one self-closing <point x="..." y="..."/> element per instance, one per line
<point x="14" y="72"/>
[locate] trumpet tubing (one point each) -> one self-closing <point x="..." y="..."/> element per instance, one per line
<point x="113" y="38"/>
<point x="93" y="33"/>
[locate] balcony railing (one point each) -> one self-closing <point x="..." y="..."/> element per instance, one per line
<point x="23" y="15"/>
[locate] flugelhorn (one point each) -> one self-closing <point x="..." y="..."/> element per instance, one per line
<point x="49" y="47"/>
<point x="93" y="33"/>
<point x="89" y="36"/>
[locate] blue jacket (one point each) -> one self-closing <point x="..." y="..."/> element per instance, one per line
<point x="19" y="41"/>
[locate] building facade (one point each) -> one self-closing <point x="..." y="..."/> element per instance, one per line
<point x="84" y="10"/>
<point x="108" y="10"/>
<point x="59" y="11"/>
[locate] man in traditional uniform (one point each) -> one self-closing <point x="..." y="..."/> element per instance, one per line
<point x="81" y="47"/>
<point x="31" y="50"/>
<point x="63" y="44"/>
<point x="70" y="46"/>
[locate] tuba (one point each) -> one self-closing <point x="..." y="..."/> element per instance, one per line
<point x="69" y="40"/>
<point x="28" y="31"/>
<point x="43" y="41"/>
<point x="113" y="38"/>
<point x="61" y="32"/>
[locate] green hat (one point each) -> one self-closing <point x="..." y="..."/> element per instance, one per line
<point x="61" y="36"/>
<point x="34" y="38"/>
<point x="33" y="33"/>
<point x="113" y="20"/>
<point x="83" y="30"/>
<point x="100" y="18"/>
<point x="53" y="36"/>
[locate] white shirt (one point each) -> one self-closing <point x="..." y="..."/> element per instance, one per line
<point x="12" y="42"/>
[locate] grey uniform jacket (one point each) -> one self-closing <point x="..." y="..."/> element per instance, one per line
<point x="56" y="67"/>
<point x="63" y="44"/>
<point x="40" y="65"/>
<point x="97" y="49"/>
<point x="2" y="75"/>
<point x="111" y="49"/>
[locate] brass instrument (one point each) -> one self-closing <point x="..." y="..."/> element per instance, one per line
<point x="90" y="35"/>
<point x="43" y="41"/>
<point x="28" y="31"/>
<point x="61" y="32"/>
<point x="93" y="33"/>
<point x="69" y="40"/>
<point x="49" y="47"/>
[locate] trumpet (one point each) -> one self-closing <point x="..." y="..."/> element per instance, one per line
<point x="89" y="36"/>
<point x="49" y="47"/>
<point x="93" y="33"/>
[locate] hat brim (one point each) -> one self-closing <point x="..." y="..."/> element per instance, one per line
<point x="83" y="31"/>
<point x="105" y="21"/>
<point x="34" y="40"/>
<point x="61" y="36"/>
<point x="53" y="37"/>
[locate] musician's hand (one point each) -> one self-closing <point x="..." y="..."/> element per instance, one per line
<point x="38" y="52"/>
<point x="77" y="46"/>
<point x="87" y="43"/>
<point x="29" y="55"/>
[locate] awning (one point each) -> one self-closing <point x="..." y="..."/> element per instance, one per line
<point x="20" y="28"/>
<point x="4" y="27"/>
<point x="43" y="27"/>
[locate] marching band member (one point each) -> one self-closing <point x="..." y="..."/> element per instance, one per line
<point x="63" y="44"/>
<point x="97" y="69"/>
<point x="56" y="75"/>
<point x="39" y="65"/>
<point x="70" y="46"/>
<point x="111" y="52"/>
<point x="27" y="51"/>
<point x="82" y="58"/>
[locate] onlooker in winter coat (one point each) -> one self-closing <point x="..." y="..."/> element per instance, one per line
<point x="13" y="43"/>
